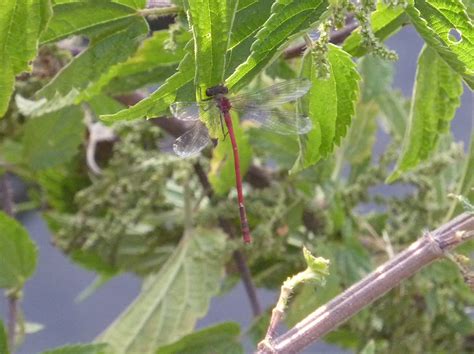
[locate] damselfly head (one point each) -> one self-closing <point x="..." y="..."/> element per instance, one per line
<point x="217" y="90"/>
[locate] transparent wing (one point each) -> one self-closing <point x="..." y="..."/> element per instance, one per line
<point x="190" y="111"/>
<point x="278" y="121"/>
<point x="272" y="96"/>
<point x="192" y="142"/>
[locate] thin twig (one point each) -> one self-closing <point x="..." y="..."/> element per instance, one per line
<point x="427" y="249"/>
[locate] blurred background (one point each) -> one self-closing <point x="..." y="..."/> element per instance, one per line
<point x="50" y="296"/>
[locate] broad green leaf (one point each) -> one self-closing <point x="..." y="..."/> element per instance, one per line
<point x="394" y="107"/>
<point x="145" y="67"/>
<point x="53" y="139"/>
<point x="436" y="96"/>
<point x="18" y="253"/>
<point x="173" y="299"/>
<point x="439" y="22"/>
<point x="386" y="21"/>
<point x="221" y="338"/>
<point x="288" y="20"/>
<point x="3" y="339"/>
<point x="21" y="23"/>
<point x="377" y="77"/>
<point x="88" y="17"/>
<point x="211" y="24"/>
<point x="79" y="349"/>
<point x="250" y="16"/>
<point x="136" y="4"/>
<point x="361" y="138"/>
<point x="330" y="106"/>
<point x="158" y="102"/>
<point x="222" y="173"/>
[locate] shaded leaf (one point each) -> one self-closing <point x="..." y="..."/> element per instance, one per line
<point x="53" y="139"/>
<point x="436" y="96"/>
<point x="221" y="338"/>
<point x="288" y="19"/>
<point x="20" y="22"/>
<point x="222" y="173"/>
<point x="79" y="349"/>
<point x="18" y="253"/>
<point x="174" y="298"/>
<point x="377" y="77"/>
<point x="386" y="21"/>
<point x="330" y="105"/>
<point x="436" y="21"/>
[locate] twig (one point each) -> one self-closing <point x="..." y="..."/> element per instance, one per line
<point x="428" y="248"/>
<point x="336" y="37"/>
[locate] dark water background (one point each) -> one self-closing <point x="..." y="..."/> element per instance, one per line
<point x="50" y="295"/>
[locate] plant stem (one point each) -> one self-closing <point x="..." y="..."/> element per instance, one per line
<point x="12" y="319"/>
<point x="422" y="252"/>
<point x="160" y="11"/>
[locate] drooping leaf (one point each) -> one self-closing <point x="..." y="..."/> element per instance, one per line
<point x="330" y="105"/>
<point x="158" y="102"/>
<point x="386" y="21"/>
<point x="445" y="27"/>
<point x="3" y="339"/>
<point x="221" y="338"/>
<point x="99" y="348"/>
<point x="250" y="16"/>
<point x="222" y="173"/>
<point x="85" y="17"/>
<point x="21" y="22"/>
<point x="436" y="96"/>
<point x="18" y="253"/>
<point x="288" y="19"/>
<point x="77" y="81"/>
<point x="211" y="24"/>
<point x="174" y="298"/>
<point x="53" y="139"/>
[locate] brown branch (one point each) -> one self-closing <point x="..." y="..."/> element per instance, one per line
<point x="427" y="249"/>
<point x="337" y="37"/>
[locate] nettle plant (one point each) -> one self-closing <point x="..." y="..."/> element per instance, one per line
<point x="94" y="149"/>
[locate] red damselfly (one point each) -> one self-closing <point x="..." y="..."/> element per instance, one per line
<point x="262" y="107"/>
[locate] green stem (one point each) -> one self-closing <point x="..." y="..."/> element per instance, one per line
<point x="160" y="11"/>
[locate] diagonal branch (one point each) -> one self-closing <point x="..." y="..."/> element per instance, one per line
<point x="432" y="246"/>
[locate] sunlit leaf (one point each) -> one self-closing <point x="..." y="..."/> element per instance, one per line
<point x="288" y="19"/>
<point x="53" y="139"/>
<point x="20" y="22"/>
<point x="330" y="121"/>
<point x="446" y="28"/>
<point x="173" y="299"/>
<point x="18" y="253"/>
<point x="221" y="338"/>
<point x="435" y="99"/>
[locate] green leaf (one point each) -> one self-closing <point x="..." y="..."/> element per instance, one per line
<point x="394" y="107"/>
<point x="386" y="21"/>
<point x="173" y="299"/>
<point x="436" y="96"/>
<point x="329" y="105"/>
<point x="53" y="139"/>
<point x="222" y="173"/>
<point x="21" y="22"/>
<point x="73" y="18"/>
<point x="436" y="21"/>
<point x="79" y="349"/>
<point x="158" y="102"/>
<point x="145" y="67"/>
<point x="18" y="253"/>
<point x="136" y="4"/>
<point x="288" y="20"/>
<point x="361" y="138"/>
<point x="369" y="348"/>
<point x="3" y="339"/>
<point x="221" y="338"/>
<point x="377" y="77"/>
<point x="211" y="24"/>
